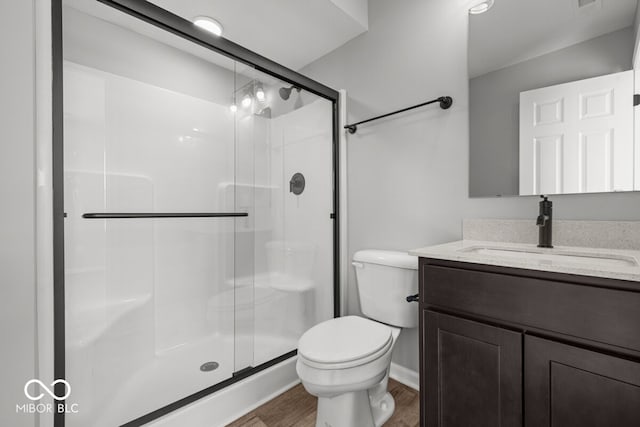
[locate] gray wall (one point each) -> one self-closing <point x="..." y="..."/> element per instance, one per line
<point x="494" y="104"/>
<point x="408" y="175"/>
<point x="17" y="216"/>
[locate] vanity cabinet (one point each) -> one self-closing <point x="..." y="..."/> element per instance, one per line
<point x="512" y="347"/>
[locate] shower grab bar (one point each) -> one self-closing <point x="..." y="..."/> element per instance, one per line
<point x="119" y="215"/>
<point x="445" y="104"/>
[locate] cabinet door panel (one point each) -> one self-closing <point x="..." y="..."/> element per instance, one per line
<point x="573" y="387"/>
<point x="473" y="373"/>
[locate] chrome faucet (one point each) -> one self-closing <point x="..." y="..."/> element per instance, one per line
<point x="544" y="223"/>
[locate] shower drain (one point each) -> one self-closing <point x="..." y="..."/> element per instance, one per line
<point x="209" y="366"/>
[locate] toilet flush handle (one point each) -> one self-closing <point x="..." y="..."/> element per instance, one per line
<point x="357" y="264"/>
<point x="413" y="298"/>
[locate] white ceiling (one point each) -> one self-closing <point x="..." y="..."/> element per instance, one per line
<point x="293" y="33"/>
<point x="513" y="31"/>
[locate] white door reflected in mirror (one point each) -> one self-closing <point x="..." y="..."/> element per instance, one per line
<point x="577" y="137"/>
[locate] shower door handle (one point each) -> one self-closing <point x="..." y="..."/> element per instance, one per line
<point x="123" y="215"/>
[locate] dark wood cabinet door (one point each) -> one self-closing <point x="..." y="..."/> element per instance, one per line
<point x="472" y="373"/>
<point x="572" y="387"/>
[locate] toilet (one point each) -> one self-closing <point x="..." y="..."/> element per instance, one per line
<point x="345" y="361"/>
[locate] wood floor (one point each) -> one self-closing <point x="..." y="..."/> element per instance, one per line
<point x="297" y="408"/>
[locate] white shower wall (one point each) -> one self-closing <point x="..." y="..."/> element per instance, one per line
<point x="301" y="143"/>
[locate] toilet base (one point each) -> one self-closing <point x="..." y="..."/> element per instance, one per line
<point x="383" y="409"/>
<point x="354" y="409"/>
<point x="381" y="402"/>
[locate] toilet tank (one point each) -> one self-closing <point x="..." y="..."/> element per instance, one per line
<point x="384" y="280"/>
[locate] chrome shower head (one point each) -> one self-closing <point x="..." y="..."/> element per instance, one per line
<point x="285" y="92"/>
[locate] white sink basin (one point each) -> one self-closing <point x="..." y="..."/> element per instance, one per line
<point x="556" y="256"/>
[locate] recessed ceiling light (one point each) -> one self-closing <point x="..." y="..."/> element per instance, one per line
<point x="481" y="7"/>
<point x="208" y="24"/>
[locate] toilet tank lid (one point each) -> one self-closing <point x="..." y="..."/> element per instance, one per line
<point x="388" y="258"/>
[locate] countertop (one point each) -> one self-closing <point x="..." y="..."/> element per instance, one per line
<point x="462" y="251"/>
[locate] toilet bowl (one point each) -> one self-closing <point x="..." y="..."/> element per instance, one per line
<point x="345" y="361"/>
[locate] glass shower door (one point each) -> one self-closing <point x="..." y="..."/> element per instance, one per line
<point x="284" y="249"/>
<point x="150" y="194"/>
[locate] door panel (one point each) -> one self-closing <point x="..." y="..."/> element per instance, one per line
<point x="578" y="137"/>
<point x="572" y="387"/>
<point x="473" y="371"/>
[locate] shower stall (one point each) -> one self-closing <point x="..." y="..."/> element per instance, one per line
<point x="194" y="212"/>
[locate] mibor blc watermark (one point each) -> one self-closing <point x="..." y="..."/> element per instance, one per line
<point x="42" y="408"/>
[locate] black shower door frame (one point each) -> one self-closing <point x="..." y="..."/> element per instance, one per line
<point x="181" y="27"/>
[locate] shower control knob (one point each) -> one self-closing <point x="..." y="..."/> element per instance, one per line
<point x="297" y="184"/>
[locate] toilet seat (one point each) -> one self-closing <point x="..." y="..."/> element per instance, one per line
<point x="344" y="342"/>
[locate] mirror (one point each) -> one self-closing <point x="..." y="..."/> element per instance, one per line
<point x="551" y="105"/>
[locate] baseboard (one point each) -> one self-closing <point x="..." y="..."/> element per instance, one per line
<point x="229" y="404"/>
<point x="405" y="376"/>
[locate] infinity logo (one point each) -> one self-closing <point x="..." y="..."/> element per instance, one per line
<point x="50" y="392"/>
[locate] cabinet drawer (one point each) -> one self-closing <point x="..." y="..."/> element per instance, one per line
<point x="604" y="315"/>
